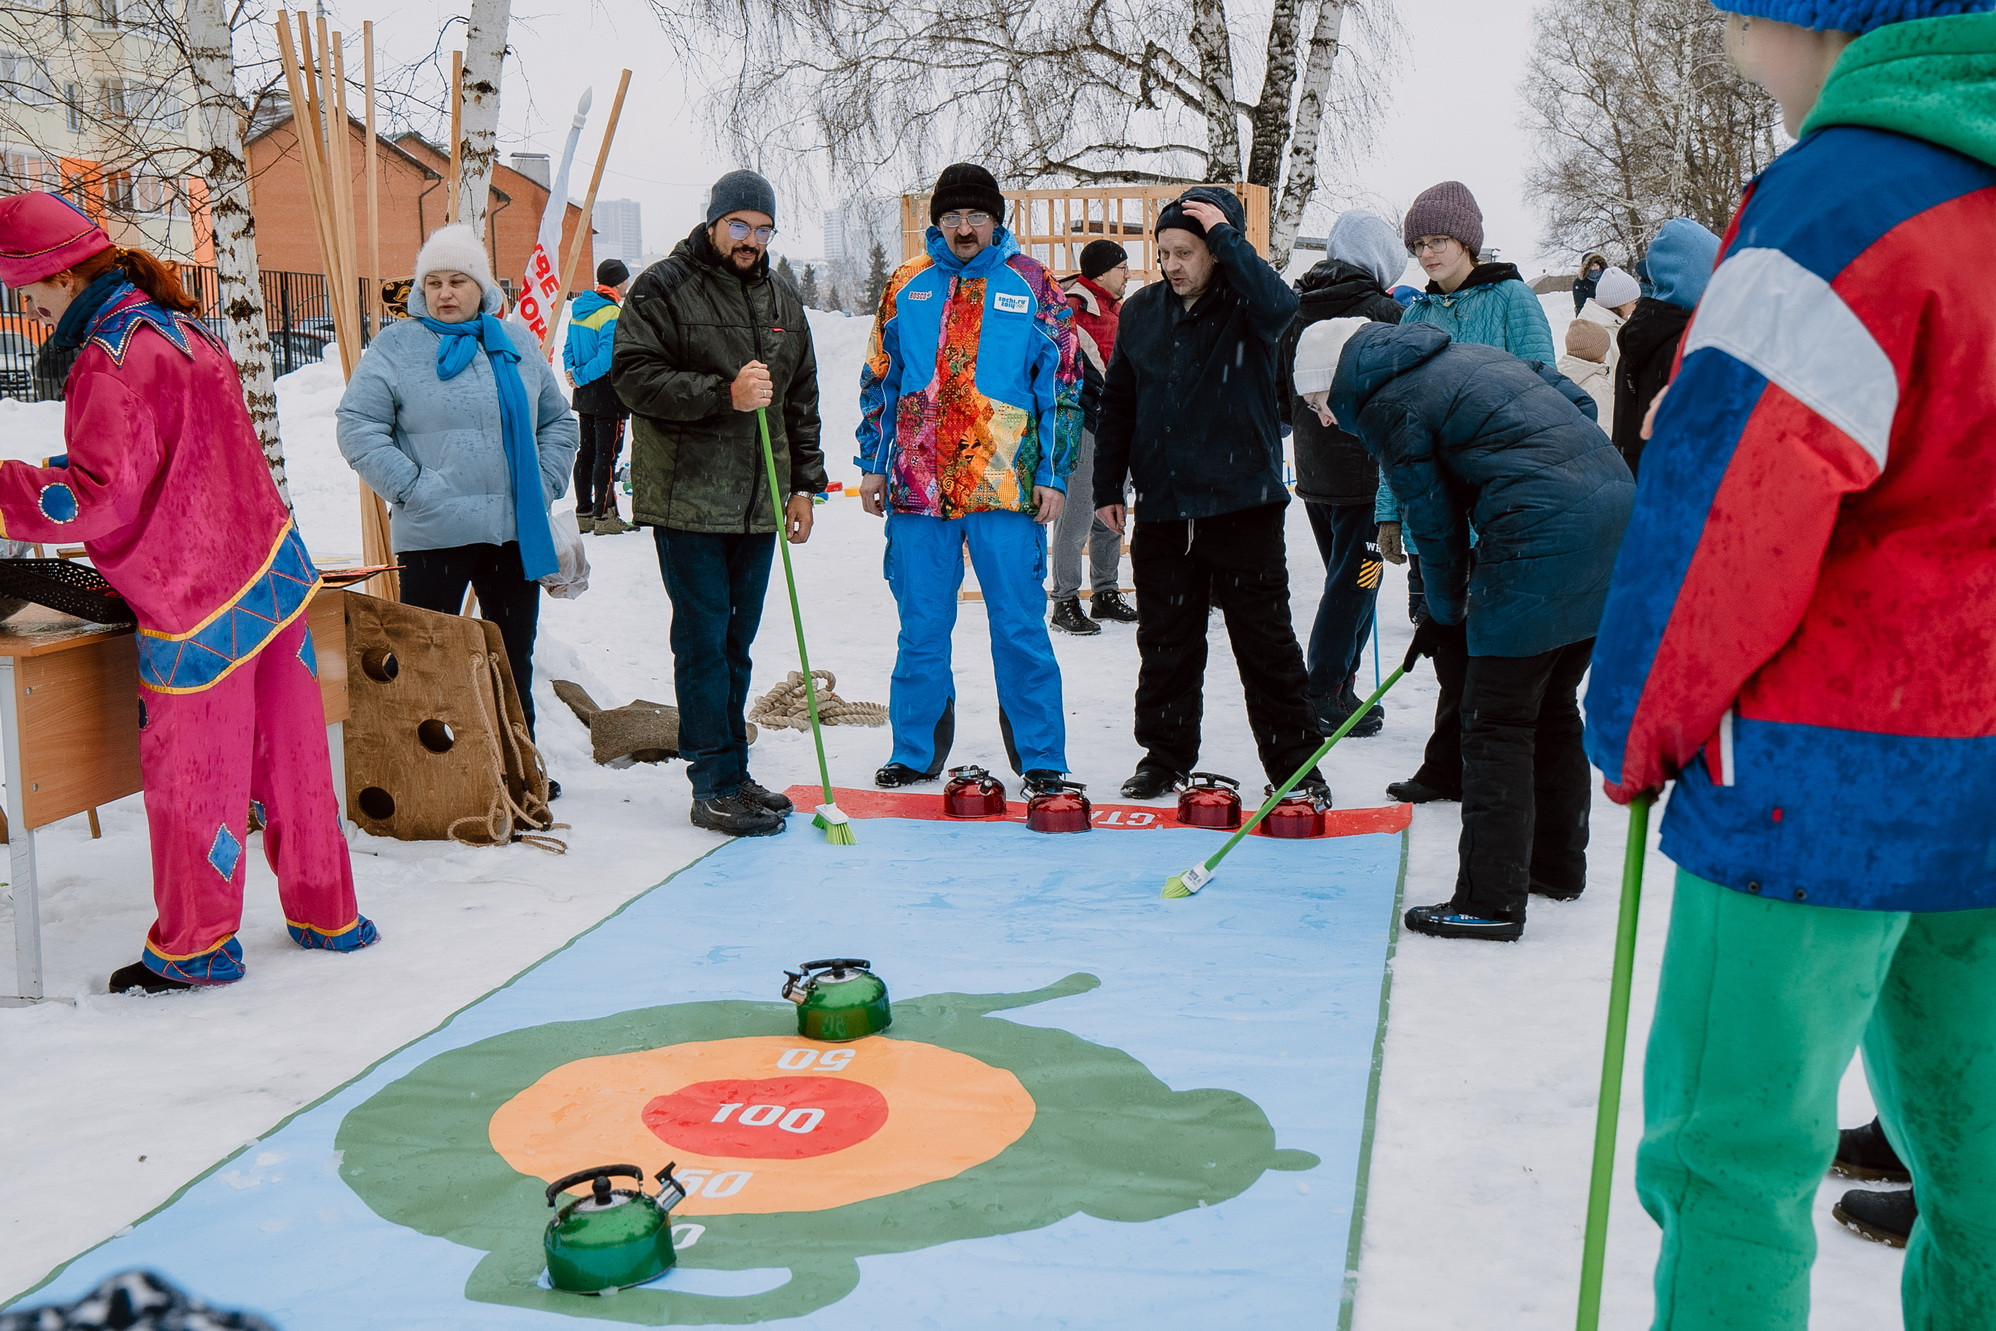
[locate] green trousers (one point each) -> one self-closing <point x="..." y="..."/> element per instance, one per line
<point x="1760" y="1007"/>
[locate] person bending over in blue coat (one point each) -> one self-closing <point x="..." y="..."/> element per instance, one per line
<point x="1473" y="440"/>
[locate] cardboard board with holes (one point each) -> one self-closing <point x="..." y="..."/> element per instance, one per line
<point x="1093" y="1106"/>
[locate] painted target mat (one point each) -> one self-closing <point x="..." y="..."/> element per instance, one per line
<point x="1094" y="1108"/>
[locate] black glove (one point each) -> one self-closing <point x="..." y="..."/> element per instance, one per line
<point x="1426" y="638"/>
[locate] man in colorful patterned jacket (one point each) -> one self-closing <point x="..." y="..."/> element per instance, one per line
<point x="1800" y="634"/>
<point x="970" y="425"/>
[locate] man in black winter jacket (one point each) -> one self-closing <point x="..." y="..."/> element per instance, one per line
<point x="1192" y="414"/>
<point x="1335" y="478"/>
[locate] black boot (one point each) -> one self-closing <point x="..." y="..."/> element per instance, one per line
<point x="1445" y="921"/>
<point x="761" y="796"/>
<point x="1413" y="792"/>
<point x="1882" y="1217"/>
<point x="137" y="976"/>
<point x="1111" y="605"/>
<point x="900" y="774"/>
<point x="1041" y="781"/>
<point x="1863" y="1153"/>
<point x="1152" y="783"/>
<point x="736" y="816"/>
<point x="1067" y="617"/>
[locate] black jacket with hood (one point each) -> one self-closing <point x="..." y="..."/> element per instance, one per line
<point x="1332" y="467"/>
<point x="1649" y="343"/>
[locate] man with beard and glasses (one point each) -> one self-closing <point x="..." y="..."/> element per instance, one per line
<point x="709" y="337"/>
<point x="970" y="426"/>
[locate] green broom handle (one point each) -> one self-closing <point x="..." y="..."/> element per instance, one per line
<point x="1607" y="1116"/>
<point x="796" y="611"/>
<point x="1296" y="776"/>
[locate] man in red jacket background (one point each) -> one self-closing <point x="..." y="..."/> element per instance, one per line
<point x="1096" y="297"/>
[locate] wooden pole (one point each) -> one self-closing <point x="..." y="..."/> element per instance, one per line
<point x="456" y="131"/>
<point x="583" y="226"/>
<point x="374" y="273"/>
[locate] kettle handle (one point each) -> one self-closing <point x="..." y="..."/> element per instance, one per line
<point x="838" y="963"/>
<point x="604" y="1172"/>
<point x="1216" y="777"/>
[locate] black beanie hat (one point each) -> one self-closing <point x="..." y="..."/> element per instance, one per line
<point x="1099" y="256"/>
<point x="612" y="273"/>
<point x="1173" y="214"/>
<point x="965" y="186"/>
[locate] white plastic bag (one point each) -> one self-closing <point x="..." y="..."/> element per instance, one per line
<point x="572" y="578"/>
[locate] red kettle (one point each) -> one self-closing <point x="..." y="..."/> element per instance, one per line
<point x="1210" y="800"/>
<point x="1299" y="814"/>
<point x="1059" y="806"/>
<point x="973" y="792"/>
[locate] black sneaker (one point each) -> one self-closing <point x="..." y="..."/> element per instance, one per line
<point x="1111" y="605"/>
<point x="1152" y="783"/>
<point x="1413" y="792"/>
<point x="900" y="774"/>
<point x="1863" y="1153"/>
<point x="1551" y="893"/>
<point x="1882" y="1217"/>
<point x="1042" y="781"/>
<point x="736" y="816"/>
<point x="758" y="794"/>
<point x="1445" y="921"/>
<point x="1067" y="617"/>
<point x="138" y="976"/>
<point x="1348" y="702"/>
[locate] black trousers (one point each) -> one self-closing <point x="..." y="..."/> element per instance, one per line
<point x="1181" y="569"/>
<point x="596" y="465"/>
<point x="1525" y="780"/>
<point x="436" y="579"/>
<point x="1441" y="763"/>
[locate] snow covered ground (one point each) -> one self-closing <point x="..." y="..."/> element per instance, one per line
<point x="107" y="1106"/>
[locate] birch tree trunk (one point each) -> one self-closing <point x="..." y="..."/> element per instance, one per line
<point x="239" y="283"/>
<point x="1216" y="85"/>
<point x="478" y="145"/>
<point x="1269" y="127"/>
<point x="1326" y="40"/>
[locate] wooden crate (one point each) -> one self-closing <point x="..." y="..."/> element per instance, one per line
<point x="1053" y="225"/>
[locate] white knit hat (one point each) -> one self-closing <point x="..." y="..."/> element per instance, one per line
<point x="455" y="249"/>
<point x="1615" y="287"/>
<point x="1318" y="350"/>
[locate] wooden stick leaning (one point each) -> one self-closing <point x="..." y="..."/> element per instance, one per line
<point x="456" y="131"/>
<point x="584" y="225"/>
<point x="374" y="274"/>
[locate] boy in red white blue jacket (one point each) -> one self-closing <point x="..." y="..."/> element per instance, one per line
<point x="1801" y="635"/>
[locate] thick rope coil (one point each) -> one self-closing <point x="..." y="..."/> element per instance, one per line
<point x="786" y="707"/>
<point x="500" y="821"/>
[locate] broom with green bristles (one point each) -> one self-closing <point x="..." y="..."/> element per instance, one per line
<point x="838" y="827"/>
<point x="1185" y="884"/>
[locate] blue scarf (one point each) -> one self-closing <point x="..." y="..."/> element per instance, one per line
<point x="460" y="343"/>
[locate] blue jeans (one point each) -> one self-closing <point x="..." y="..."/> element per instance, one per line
<point x="924" y="568"/>
<point x="1347" y="538"/>
<point x="716" y="582"/>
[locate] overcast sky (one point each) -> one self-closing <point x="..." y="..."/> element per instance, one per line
<point x="1454" y="112"/>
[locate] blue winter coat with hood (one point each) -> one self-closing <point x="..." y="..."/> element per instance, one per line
<point x="1470" y="436"/>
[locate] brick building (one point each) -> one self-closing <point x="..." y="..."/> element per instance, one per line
<point x="412" y="193"/>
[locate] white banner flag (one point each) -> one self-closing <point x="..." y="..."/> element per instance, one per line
<point x="543" y="278"/>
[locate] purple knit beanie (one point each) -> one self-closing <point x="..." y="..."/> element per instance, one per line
<point x="1447" y="209"/>
<point x="1858" y="16"/>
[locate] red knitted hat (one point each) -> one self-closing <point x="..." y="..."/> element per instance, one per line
<point x="42" y="235"/>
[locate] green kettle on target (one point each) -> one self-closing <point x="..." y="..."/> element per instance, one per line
<point x="613" y="1238"/>
<point x="838" y="999"/>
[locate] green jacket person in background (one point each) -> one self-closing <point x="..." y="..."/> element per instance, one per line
<point x="708" y="337"/>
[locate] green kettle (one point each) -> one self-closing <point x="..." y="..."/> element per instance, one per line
<point x="613" y="1238"/>
<point x="838" y="999"/>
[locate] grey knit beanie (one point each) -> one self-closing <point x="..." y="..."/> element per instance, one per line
<point x="1447" y="209"/>
<point x="738" y="192"/>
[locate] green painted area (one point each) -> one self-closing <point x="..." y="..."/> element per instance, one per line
<point x="1108" y="1140"/>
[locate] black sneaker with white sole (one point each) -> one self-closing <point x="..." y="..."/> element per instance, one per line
<point x="736" y="816"/>
<point x="900" y="774"/>
<point x="1882" y="1217"/>
<point x="756" y="793"/>
<point x="1445" y="921"/>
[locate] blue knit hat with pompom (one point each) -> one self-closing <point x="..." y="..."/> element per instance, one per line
<point x="1858" y="16"/>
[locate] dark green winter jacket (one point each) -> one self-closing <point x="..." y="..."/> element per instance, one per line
<point x="687" y="329"/>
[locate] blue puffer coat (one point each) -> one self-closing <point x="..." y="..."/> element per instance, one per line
<point x="1492" y="308"/>
<point x="1472" y="435"/>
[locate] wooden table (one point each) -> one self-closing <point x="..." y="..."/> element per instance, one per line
<point x="69" y="735"/>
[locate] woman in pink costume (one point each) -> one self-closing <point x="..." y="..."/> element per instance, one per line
<point x="166" y="488"/>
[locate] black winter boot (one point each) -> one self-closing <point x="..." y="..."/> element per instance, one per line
<point x="900" y="774"/>
<point x="1152" y="783"/>
<point x="1413" y="792"/>
<point x="1882" y="1217"/>
<point x="736" y="816"/>
<point x="1041" y="781"/>
<point x="1067" y="617"/>
<point x="1863" y="1153"/>
<point x="137" y="976"/>
<point x="1332" y="714"/>
<point x="1111" y="605"/>
<point x="761" y="796"/>
<point x="1445" y="921"/>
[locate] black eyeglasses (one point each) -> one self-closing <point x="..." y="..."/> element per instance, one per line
<point x="742" y="231"/>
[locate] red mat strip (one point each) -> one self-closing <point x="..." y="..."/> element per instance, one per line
<point x="928" y="805"/>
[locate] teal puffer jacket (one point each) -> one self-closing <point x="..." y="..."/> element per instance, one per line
<point x="1492" y="308"/>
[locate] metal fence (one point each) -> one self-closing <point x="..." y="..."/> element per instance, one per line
<point x="294" y="306"/>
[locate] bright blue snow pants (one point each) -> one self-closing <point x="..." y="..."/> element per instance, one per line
<point x="924" y="568"/>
